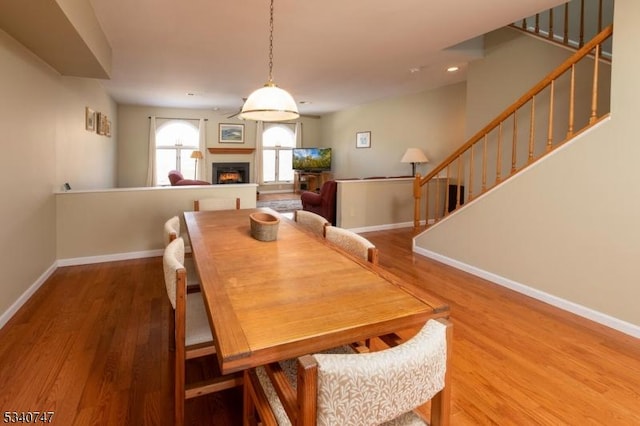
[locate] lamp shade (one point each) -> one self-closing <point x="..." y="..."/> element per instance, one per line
<point x="414" y="155"/>
<point x="269" y="103"/>
<point x="197" y="155"/>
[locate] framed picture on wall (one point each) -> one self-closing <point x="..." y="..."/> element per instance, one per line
<point x="231" y="133"/>
<point x="89" y="119"/>
<point x="363" y="140"/>
<point x="101" y="123"/>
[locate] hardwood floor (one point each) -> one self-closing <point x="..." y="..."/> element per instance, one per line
<point x="92" y="346"/>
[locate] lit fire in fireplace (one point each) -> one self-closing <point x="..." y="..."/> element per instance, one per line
<point x="222" y="173"/>
<point x="229" y="177"/>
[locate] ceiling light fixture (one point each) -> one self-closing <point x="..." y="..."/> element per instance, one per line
<point x="453" y="69"/>
<point x="270" y="103"/>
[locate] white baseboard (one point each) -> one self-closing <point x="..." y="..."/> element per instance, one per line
<point x="280" y="191"/>
<point x="111" y="257"/>
<point x="583" y="311"/>
<point x="9" y="313"/>
<point x="382" y="227"/>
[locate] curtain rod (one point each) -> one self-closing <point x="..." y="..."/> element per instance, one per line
<point x="174" y="118"/>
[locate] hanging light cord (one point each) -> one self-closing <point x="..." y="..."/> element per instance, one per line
<point x="271" y="45"/>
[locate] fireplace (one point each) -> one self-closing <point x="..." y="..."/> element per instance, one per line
<point x="224" y="173"/>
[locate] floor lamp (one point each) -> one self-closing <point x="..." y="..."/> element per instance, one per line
<point x="197" y="155"/>
<point x="414" y="156"/>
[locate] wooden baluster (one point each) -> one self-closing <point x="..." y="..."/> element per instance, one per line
<point x="524" y="24"/>
<point x="499" y="155"/>
<point x="484" y="165"/>
<point x="446" y="190"/>
<point x="581" y="23"/>
<point x="572" y="91"/>
<point x="436" y="214"/>
<point x="537" y="27"/>
<point x="551" y="24"/>
<point x="599" y="16"/>
<point x="471" y="170"/>
<point x="426" y="207"/>
<point x="594" y="93"/>
<point x="459" y="180"/>
<point x="550" y="133"/>
<point x="565" y="39"/>
<point x="532" y="128"/>
<point x="514" y="142"/>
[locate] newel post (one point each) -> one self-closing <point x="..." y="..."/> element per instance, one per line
<point x="416" y="201"/>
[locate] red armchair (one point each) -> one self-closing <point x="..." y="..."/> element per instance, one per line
<point x="323" y="203"/>
<point x="176" y="179"/>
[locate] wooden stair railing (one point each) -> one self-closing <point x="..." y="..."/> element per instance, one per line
<point x="459" y="169"/>
<point x="570" y="23"/>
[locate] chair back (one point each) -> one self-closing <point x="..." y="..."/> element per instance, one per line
<point x="175" y="176"/>
<point x="373" y="388"/>
<point x="353" y="243"/>
<point x="216" y="204"/>
<point x="315" y="223"/>
<point x="171" y="230"/>
<point x="173" y="265"/>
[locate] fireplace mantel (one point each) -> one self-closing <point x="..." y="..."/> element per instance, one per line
<point x="231" y="150"/>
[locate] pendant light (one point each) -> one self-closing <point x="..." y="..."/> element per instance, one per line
<point x="270" y="103"/>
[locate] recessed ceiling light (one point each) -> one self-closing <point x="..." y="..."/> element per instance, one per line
<point x="414" y="70"/>
<point x="453" y="69"/>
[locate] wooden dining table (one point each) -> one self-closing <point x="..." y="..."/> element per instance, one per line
<point x="274" y="300"/>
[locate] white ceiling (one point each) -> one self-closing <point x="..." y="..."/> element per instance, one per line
<point x="330" y="53"/>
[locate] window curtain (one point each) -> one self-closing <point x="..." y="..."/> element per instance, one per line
<point x="151" y="164"/>
<point x="298" y="132"/>
<point x="257" y="163"/>
<point x="201" y="171"/>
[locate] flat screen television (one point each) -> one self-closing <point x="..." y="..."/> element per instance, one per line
<point x="311" y="159"/>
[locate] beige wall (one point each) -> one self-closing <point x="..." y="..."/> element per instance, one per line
<point x="568" y="226"/>
<point x="431" y="120"/>
<point x="134" y="138"/>
<point x="374" y="204"/>
<point x="120" y="221"/>
<point x="85" y="159"/>
<point x="44" y="144"/>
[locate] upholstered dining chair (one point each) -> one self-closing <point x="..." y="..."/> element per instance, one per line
<point x="353" y="243"/>
<point x="171" y="232"/>
<point x="191" y="331"/>
<point x="216" y="204"/>
<point x="311" y="221"/>
<point x="383" y="387"/>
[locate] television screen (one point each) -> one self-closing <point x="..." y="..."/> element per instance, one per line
<point x="311" y="159"/>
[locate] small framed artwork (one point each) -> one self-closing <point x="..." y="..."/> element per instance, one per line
<point x="363" y="140"/>
<point x="89" y="119"/>
<point x="107" y="130"/>
<point x="231" y="133"/>
<point x="101" y="123"/>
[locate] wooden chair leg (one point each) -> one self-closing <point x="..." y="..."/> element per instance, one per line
<point x="172" y="327"/>
<point x="256" y="406"/>
<point x="179" y="390"/>
<point x="248" y="408"/>
<point x="441" y="402"/>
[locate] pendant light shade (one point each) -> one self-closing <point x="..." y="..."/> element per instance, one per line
<point x="269" y="103"/>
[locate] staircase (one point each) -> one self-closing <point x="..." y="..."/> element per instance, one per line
<point x="565" y="103"/>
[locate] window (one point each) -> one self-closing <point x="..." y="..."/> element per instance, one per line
<point x="278" y="141"/>
<point x="175" y="141"/>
